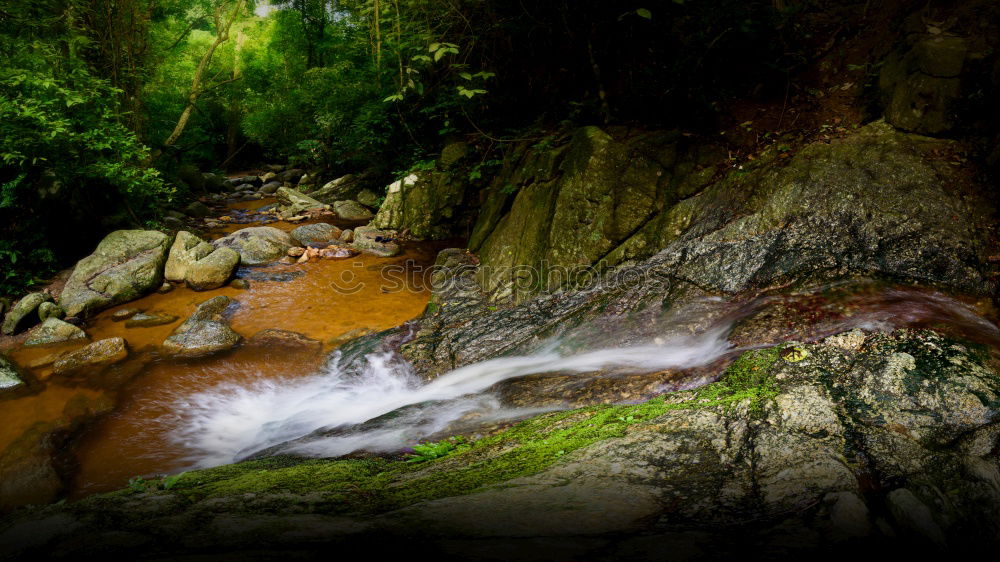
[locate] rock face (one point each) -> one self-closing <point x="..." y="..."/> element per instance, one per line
<point x="100" y="353"/>
<point x="54" y="330"/>
<point x="292" y="202"/>
<point x="428" y="204"/>
<point x="316" y="234"/>
<point x="199" y="263"/>
<point x="833" y="210"/>
<point x="257" y="245"/>
<point x="23" y="314"/>
<point x="205" y="332"/>
<point x="126" y="265"/>
<point x="351" y="211"/>
<point x="921" y="83"/>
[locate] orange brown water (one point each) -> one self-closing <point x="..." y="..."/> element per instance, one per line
<point x="321" y="299"/>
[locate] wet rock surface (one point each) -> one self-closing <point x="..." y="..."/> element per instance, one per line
<point x="126" y="265"/>
<point x="11" y="381"/>
<point x="205" y="332"/>
<point x="23" y="313"/>
<point x="843" y="443"/>
<point x="54" y="330"/>
<point x="100" y="353"/>
<point x="257" y="245"/>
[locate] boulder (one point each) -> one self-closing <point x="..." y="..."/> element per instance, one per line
<point x="200" y="264"/>
<point x="186" y="250"/>
<point x="198" y="210"/>
<point x="351" y="211"/>
<point x="921" y="83"/>
<point x="368" y="198"/>
<point x="346" y="187"/>
<point x="254" y="181"/>
<point x="50" y="310"/>
<point x="11" y="383"/>
<point x="53" y="330"/>
<point x="272" y="338"/>
<point x="292" y="202"/>
<point x="270" y="188"/>
<point x="126" y="265"/>
<point x="428" y="204"/>
<point x="100" y="353"/>
<point x="268" y="177"/>
<point x="213" y="182"/>
<point x="214" y="270"/>
<point x="150" y="319"/>
<point x="290" y="176"/>
<point x="347" y="236"/>
<point x="315" y="234"/>
<point x="257" y="245"/>
<point x="376" y="242"/>
<point x="205" y="332"/>
<point x="23" y="313"/>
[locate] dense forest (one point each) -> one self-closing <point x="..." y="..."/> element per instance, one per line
<point x="110" y="108"/>
<point x="499" y="279"/>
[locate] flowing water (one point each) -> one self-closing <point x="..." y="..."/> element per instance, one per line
<point x="172" y="415"/>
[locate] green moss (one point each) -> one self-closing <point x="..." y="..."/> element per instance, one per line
<point x="378" y="485"/>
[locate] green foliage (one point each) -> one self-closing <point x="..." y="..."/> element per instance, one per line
<point x="63" y="147"/>
<point x="430" y="451"/>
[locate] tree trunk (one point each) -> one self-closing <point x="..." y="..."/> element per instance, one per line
<point x="221" y="36"/>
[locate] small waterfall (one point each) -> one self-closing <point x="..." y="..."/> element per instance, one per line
<point x="230" y="421"/>
<point x="382" y="406"/>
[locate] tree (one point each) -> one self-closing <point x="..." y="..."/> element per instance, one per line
<point x="198" y="87"/>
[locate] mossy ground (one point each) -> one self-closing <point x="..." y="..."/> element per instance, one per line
<point x="377" y="485"/>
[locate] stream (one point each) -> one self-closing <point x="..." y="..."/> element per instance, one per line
<point x="172" y="415"/>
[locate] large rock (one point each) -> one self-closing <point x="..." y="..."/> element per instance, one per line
<point x="11" y="383"/>
<point x="381" y="243"/>
<point x="54" y="330"/>
<point x="429" y="204"/>
<point x="186" y="250"/>
<point x="257" y="245"/>
<point x="214" y="270"/>
<point x="48" y="310"/>
<point x="205" y="332"/>
<point x="291" y="202"/>
<point x="831" y="210"/>
<point x="200" y="264"/>
<point x="340" y="189"/>
<point x="316" y="234"/>
<point x="98" y="354"/>
<point x="921" y="83"/>
<point x="126" y="265"/>
<point x="351" y="211"/>
<point x="23" y="313"/>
